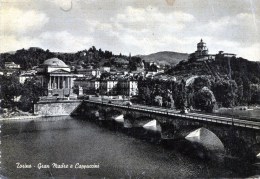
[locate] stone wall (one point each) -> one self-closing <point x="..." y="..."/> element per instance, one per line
<point x="56" y="108"/>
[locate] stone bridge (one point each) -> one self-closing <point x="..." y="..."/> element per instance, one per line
<point x="236" y="137"/>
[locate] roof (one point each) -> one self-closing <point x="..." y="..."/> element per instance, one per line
<point x="54" y="62"/>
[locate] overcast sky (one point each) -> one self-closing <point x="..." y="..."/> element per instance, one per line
<point x="132" y="26"/>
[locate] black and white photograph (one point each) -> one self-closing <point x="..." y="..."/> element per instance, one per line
<point x="129" y="89"/>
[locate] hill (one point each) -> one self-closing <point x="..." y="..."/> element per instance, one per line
<point x="34" y="56"/>
<point x="219" y="68"/>
<point x="165" y="57"/>
<point x="244" y="73"/>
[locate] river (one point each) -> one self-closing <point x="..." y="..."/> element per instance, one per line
<point x="251" y="113"/>
<point x="68" y="141"/>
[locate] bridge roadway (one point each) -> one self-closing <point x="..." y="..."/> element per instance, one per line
<point x="192" y="116"/>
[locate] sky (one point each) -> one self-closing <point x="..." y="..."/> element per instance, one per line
<point x="132" y="26"/>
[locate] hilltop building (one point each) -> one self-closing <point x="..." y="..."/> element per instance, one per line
<point x="202" y="53"/>
<point x="202" y="49"/>
<point x="222" y="54"/>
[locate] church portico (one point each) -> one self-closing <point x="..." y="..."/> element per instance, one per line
<point x="57" y="78"/>
<point x="60" y="82"/>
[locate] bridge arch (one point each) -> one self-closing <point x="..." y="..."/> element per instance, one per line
<point x="207" y="139"/>
<point x="153" y="125"/>
<point x="112" y="114"/>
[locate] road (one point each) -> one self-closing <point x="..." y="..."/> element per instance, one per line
<point x="192" y="115"/>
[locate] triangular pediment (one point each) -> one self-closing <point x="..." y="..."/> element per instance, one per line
<point x="59" y="71"/>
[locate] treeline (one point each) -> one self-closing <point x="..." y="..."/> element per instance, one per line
<point x="35" y="56"/>
<point x="203" y="93"/>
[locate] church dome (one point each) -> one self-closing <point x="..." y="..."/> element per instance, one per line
<point x="55" y="62"/>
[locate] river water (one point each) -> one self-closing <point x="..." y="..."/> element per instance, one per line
<point x="242" y="113"/>
<point x="117" y="154"/>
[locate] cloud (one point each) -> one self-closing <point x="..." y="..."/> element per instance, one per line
<point x="138" y="30"/>
<point x="151" y="18"/>
<point x="64" y="41"/>
<point x="241" y="27"/>
<point x="55" y="41"/>
<point x="12" y="43"/>
<point x="251" y="52"/>
<point x="16" y="21"/>
<point x="135" y="26"/>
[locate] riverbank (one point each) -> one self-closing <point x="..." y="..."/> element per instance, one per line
<point x="251" y="112"/>
<point x="29" y="117"/>
<point x="251" y="107"/>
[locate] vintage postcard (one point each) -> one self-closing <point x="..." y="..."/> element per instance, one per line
<point x="129" y="89"/>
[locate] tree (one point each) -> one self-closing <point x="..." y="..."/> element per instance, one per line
<point x="204" y="100"/>
<point x="32" y="90"/>
<point x="181" y="96"/>
<point x="153" y="67"/>
<point x="255" y="93"/>
<point x="135" y="62"/>
<point x="10" y="90"/>
<point x="200" y="82"/>
<point x="158" y="100"/>
<point x="225" y="92"/>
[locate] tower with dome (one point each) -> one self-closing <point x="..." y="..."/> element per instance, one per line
<point x="202" y="49"/>
<point x="202" y="53"/>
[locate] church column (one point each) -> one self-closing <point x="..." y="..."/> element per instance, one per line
<point x="60" y="77"/>
<point x="58" y="87"/>
<point x="49" y="83"/>
<point x="54" y="82"/>
<point x="63" y="82"/>
<point x="71" y="82"/>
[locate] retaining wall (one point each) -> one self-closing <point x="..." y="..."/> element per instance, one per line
<point x="56" y="108"/>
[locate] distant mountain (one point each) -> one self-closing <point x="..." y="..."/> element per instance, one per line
<point x="165" y="57"/>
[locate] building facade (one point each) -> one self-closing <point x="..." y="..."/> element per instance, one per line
<point x="128" y="87"/>
<point x="109" y="87"/>
<point x="56" y="77"/>
<point x="89" y="86"/>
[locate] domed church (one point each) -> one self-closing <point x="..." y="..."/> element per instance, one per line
<point x="202" y="49"/>
<point x="201" y="53"/>
<point x="56" y="77"/>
